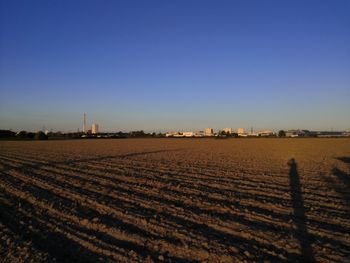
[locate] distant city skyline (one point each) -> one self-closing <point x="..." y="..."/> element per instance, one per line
<point x="180" y="65"/>
<point x="93" y="127"/>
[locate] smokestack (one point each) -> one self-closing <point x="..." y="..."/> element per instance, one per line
<point x="84" y="123"/>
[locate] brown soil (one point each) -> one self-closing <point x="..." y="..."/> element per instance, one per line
<point x="175" y="200"/>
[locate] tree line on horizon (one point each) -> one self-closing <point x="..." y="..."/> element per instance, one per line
<point x="40" y="135"/>
<point x="24" y="135"/>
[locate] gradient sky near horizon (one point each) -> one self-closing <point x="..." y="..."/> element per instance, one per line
<point x="175" y="65"/>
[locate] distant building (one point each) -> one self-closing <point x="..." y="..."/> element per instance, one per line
<point x="208" y="132"/>
<point x="228" y="130"/>
<point x="174" y="134"/>
<point x="171" y="134"/>
<point x="240" y="132"/>
<point x="188" y="134"/>
<point x="252" y="133"/>
<point x="292" y="133"/>
<point x="185" y="134"/>
<point x="265" y="133"/>
<point x="297" y="133"/>
<point x="199" y="134"/>
<point x="331" y="134"/>
<point x="94" y="128"/>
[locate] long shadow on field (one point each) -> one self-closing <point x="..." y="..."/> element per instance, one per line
<point x="344" y="187"/>
<point x="344" y="178"/>
<point x="344" y="159"/>
<point x="299" y="212"/>
<point x="342" y="184"/>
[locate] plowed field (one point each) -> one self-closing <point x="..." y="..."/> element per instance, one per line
<point x="175" y="200"/>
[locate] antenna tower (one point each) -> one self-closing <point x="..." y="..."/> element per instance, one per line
<point x="84" y="123"/>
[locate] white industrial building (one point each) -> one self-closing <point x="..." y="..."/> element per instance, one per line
<point x="252" y="133"/>
<point x="174" y="134"/>
<point x="240" y="132"/>
<point x="265" y="133"/>
<point x="208" y="132"/>
<point x="296" y="133"/>
<point x="185" y="134"/>
<point x="94" y="128"/>
<point x="188" y="134"/>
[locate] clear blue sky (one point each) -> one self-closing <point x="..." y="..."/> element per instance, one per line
<point x="175" y="65"/>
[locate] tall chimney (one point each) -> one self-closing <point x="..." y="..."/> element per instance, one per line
<point x="84" y="123"/>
